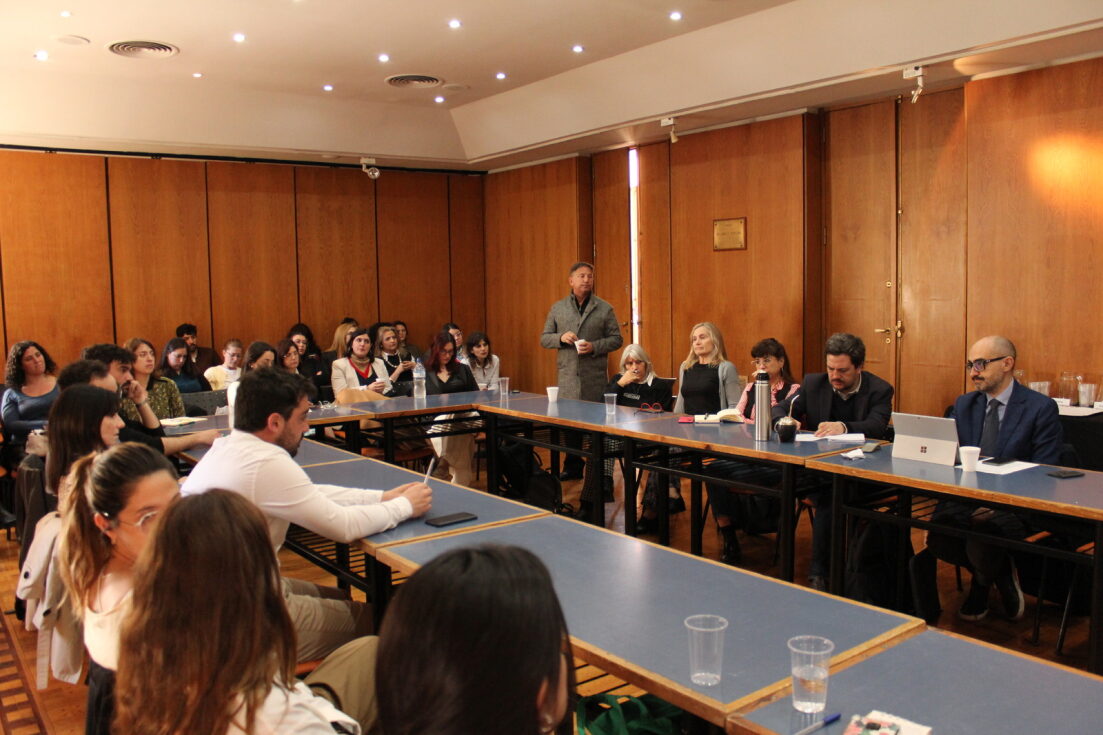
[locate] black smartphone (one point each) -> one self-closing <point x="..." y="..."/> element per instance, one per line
<point x="1064" y="474"/>
<point x="451" y="518"/>
<point x="997" y="461"/>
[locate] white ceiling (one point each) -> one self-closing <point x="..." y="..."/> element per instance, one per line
<point x="725" y="61"/>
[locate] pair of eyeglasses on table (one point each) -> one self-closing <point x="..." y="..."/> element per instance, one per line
<point x="650" y="408"/>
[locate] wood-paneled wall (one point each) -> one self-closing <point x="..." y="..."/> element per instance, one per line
<point x="754" y="171"/>
<point x="96" y="249"/>
<point x="536" y="227"/>
<point x="655" y="295"/>
<point x="613" y="240"/>
<point x="54" y="251"/>
<point x="1035" y="215"/>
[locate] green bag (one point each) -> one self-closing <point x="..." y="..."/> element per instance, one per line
<point x="646" y="715"/>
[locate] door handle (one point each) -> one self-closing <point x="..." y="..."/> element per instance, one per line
<point x="882" y="331"/>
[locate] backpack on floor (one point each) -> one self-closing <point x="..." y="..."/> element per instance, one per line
<point x="539" y="488"/>
<point x="871" y="566"/>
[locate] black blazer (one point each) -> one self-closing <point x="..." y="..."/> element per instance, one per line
<point x="812" y="404"/>
<point x="1030" y="430"/>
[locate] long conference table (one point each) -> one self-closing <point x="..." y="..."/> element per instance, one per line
<point x="1080" y="499"/>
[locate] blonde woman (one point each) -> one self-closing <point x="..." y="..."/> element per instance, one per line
<point x="707" y="382"/>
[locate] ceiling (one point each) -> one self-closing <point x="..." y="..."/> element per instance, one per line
<point x="725" y="61"/>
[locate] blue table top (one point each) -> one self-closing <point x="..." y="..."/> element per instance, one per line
<point x="310" y="453"/>
<point x="732" y="438"/>
<point x="316" y="417"/>
<point x="409" y="406"/>
<point x="1080" y="497"/>
<point x="447" y="499"/>
<point x="626" y="601"/>
<point x="569" y="412"/>
<point x="204" y="423"/>
<point x="953" y="685"/>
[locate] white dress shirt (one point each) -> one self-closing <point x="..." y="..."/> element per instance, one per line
<point x="267" y="475"/>
<point x="295" y="711"/>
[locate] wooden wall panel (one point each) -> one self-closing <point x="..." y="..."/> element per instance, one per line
<point x="158" y="212"/>
<point x="251" y="221"/>
<point x="815" y="240"/>
<point x="54" y="251"/>
<point x="932" y="252"/>
<point x="654" y="254"/>
<point x="414" y="268"/>
<point x="335" y="224"/>
<point x="613" y="239"/>
<point x="860" y="209"/>
<point x="465" y="225"/>
<point x="532" y="238"/>
<point x="1035" y="215"/>
<point x="754" y="171"/>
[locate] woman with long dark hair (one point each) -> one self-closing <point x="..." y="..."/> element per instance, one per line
<point x="445" y="374"/>
<point x="162" y="395"/>
<point x="178" y="367"/>
<point x="208" y="646"/>
<point x="358" y="368"/>
<point x="287" y="356"/>
<point x="83" y="419"/>
<point x="479" y="634"/>
<point x="311" y="364"/>
<point x="484" y="364"/>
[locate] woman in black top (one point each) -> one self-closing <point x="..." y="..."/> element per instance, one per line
<point x="636" y="383"/>
<point x="311" y="364"/>
<point x="445" y="374"/>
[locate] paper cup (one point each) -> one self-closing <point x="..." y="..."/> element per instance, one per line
<point x="969" y="458"/>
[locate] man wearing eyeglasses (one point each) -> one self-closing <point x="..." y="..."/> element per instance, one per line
<point x="1006" y="420"/>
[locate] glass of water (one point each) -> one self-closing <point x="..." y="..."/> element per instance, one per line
<point x="809" y="657"/>
<point x="706" y="648"/>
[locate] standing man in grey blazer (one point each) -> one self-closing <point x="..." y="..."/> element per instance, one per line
<point x="583" y="329"/>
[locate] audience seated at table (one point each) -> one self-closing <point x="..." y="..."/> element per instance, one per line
<point x="220" y="376"/>
<point x="845" y="399"/>
<point x="407" y="349"/>
<point x="358" y="368"/>
<point x="311" y="364"/>
<point x="107" y="519"/>
<point x="475" y="642"/>
<point x="398" y="368"/>
<point x="341" y="336"/>
<point x="161" y="393"/>
<point x="1005" y="419"/>
<point x="484" y="364"/>
<point x="255" y="460"/>
<point x="445" y="374"/>
<point x="208" y="645"/>
<point x="740" y="511"/>
<point x="31" y="391"/>
<point x="176" y="366"/>
<point x="201" y="358"/>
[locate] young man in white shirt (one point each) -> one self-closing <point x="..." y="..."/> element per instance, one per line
<point x="256" y="461"/>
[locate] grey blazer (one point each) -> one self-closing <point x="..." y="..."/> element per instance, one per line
<point x="729" y="387"/>
<point x="582" y="376"/>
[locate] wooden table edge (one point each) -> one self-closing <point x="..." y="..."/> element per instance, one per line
<point x="379" y="551"/>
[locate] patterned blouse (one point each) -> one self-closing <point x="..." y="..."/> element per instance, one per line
<point x="164" y="398"/>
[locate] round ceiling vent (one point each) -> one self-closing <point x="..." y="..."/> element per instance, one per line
<point x="414" y="81"/>
<point x="143" y="49"/>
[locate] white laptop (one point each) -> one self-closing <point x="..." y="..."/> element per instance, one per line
<point x="924" y="438"/>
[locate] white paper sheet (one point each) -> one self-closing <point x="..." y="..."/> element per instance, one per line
<point x="851" y="438"/>
<point x="810" y="438"/>
<point x="1003" y="469"/>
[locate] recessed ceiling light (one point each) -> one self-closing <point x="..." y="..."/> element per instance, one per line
<point x="197" y="74"/>
<point x="438" y="99"/>
<point x="577" y="48"/>
<point x="66" y="14"/>
<point x="675" y="15"/>
<point x="327" y="87"/>
<point x="239" y="37"/>
<point x="454" y="23"/>
<point x="500" y="75"/>
<point x="384" y="58"/>
<point x="41" y="55"/>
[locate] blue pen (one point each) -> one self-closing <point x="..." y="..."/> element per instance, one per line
<point x="822" y="723"/>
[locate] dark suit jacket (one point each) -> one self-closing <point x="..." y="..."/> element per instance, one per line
<point x="205" y="358"/>
<point x="1030" y="430"/>
<point x="812" y="404"/>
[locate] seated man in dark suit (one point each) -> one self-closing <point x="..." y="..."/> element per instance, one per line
<point x="845" y="399"/>
<point x="1008" y="420"/>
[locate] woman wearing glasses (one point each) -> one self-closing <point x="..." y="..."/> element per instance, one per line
<point x="115" y="499"/>
<point x="768" y="355"/>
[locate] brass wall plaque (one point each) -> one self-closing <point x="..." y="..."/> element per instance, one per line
<point x="729" y="234"/>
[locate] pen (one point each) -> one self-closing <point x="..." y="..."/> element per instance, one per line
<point x="822" y="723"/>
<point x="428" y="472"/>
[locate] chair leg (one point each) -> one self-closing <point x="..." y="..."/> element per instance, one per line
<point x="1040" y="599"/>
<point x="1065" y="615"/>
<point x="957" y="574"/>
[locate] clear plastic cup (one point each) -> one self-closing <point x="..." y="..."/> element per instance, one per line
<point x="610" y="404"/>
<point x="706" y="648"/>
<point x="809" y="657"/>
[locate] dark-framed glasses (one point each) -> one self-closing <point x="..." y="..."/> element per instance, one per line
<point x="981" y="363"/>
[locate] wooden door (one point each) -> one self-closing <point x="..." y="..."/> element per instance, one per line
<point x="860" y="212"/>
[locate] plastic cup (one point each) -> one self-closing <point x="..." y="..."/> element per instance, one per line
<point x="503" y="386"/>
<point x="1087" y="394"/>
<point x="484" y="386"/>
<point x="578" y="344"/>
<point x="553" y="393"/>
<point x="610" y="404"/>
<point x="706" y="648"/>
<point x="969" y="458"/>
<point x="1042" y="386"/>
<point x="809" y="656"/>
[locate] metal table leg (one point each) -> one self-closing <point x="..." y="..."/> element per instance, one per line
<point x="786" y="530"/>
<point x="631" y="487"/>
<point x="1095" y="641"/>
<point x="696" y="522"/>
<point x="597" y="467"/>
<point x="838" y="538"/>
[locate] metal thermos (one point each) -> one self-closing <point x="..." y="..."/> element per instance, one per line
<point x="761" y="406"/>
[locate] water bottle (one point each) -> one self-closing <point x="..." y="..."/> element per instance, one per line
<point x="761" y="406"/>
<point x="419" y="379"/>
